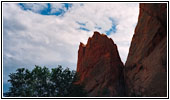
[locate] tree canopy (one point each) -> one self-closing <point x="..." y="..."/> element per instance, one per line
<point x="41" y="82"/>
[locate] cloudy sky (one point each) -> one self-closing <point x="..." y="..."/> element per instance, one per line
<point x="48" y="34"/>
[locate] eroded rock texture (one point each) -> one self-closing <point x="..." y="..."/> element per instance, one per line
<point x="145" y="68"/>
<point x="100" y="67"/>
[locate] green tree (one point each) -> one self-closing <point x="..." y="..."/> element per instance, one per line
<point x="41" y="82"/>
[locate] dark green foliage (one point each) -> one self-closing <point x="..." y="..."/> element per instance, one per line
<point x="106" y="92"/>
<point x="40" y="82"/>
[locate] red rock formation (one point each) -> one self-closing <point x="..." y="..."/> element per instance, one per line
<point x="100" y="67"/>
<point x="145" y="68"/>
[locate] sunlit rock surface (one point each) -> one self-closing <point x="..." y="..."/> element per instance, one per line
<point x="100" y="67"/>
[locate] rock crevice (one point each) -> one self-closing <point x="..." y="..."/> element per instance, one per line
<point x="145" y="72"/>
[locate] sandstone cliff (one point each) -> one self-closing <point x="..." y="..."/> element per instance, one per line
<point x="145" y="68"/>
<point x="100" y="67"/>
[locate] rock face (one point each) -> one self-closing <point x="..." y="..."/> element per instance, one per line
<point x="146" y="65"/>
<point x="100" y="67"/>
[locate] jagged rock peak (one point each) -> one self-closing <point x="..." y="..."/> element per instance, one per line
<point x="100" y="66"/>
<point x="82" y="45"/>
<point x="97" y="38"/>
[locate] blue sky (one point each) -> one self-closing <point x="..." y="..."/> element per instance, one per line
<point x="47" y="9"/>
<point x="48" y="34"/>
<point x="113" y="27"/>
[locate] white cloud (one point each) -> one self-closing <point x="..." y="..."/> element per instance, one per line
<point x="56" y="7"/>
<point x="125" y="16"/>
<point x="35" y="7"/>
<point x="33" y="39"/>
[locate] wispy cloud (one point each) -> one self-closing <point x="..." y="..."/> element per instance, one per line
<point x="58" y="9"/>
<point x="35" y="7"/>
<point x="113" y="27"/>
<point x="81" y="23"/>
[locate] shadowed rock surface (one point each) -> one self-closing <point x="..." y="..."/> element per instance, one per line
<point x="145" y="68"/>
<point x="100" y="67"/>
